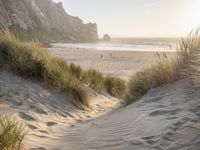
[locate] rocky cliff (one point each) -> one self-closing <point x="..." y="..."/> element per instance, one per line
<point x="44" y="19"/>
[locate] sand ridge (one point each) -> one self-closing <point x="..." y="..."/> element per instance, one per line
<point x="46" y="112"/>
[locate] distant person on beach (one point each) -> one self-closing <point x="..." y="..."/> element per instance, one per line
<point x="101" y="55"/>
<point x="170" y="46"/>
<point x="110" y="54"/>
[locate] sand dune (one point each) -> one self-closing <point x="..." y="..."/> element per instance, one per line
<point x="165" y="118"/>
<point x="46" y="112"/>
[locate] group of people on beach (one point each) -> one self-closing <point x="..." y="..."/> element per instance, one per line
<point x="102" y="55"/>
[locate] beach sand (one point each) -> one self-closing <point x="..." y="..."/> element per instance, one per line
<point x="116" y="63"/>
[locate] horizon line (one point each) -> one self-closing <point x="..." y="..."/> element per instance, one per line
<point x="115" y="37"/>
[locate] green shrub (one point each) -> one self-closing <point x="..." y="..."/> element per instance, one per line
<point x="12" y="134"/>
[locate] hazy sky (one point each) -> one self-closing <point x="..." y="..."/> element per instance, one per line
<point x="138" y="18"/>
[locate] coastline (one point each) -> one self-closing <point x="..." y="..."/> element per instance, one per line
<point x="121" y="49"/>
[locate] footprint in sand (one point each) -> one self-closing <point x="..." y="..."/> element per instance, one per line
<point x="151" y="140"/>
<point x="1" y="94"/>
<point x="26" y="117"/>
<point x="195" y="109"/>
<point x="39" y="148"/>
<point x="171" y="118"/>
<point x="38" y="110"/>
<point x="43" y="131"/>
<point x="18" y="103"/>
<point x="50" y="124"/>
<point x="179" y="124"/>
<point x="41" y="111"/>
<point x="32" y="127"/>
<point x="165" y="112"/>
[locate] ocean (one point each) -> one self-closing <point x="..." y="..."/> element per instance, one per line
<point x="126" y="44"/>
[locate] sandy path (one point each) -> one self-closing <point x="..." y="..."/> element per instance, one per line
<point x="167" y="118"/>
<point x="116" y="63"/>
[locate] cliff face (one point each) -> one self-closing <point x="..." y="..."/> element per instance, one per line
<point x="47" y="17"/>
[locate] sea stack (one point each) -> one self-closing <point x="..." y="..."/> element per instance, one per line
<point x="106" y="37"/>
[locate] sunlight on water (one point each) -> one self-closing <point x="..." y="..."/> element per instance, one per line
<point x="126" y="44"/>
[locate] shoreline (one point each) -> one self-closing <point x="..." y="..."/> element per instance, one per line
<point x="104" y="50"/>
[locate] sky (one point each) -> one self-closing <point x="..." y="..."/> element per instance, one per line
<point x="138" y="18"/>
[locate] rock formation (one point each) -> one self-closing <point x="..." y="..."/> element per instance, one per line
<point x="106" y="37"/>
<point x="45" y="17"/>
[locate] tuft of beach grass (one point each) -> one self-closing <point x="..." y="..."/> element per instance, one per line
<point x="168" y="68"/>
<point x="12" y="133"/>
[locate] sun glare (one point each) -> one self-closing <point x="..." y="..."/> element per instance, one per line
<point x="191" y="14"/>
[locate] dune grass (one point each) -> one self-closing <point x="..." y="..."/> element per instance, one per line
<point x="94" y="78"/>
<point x="12" y="134"/>
<point x="29" y="59"/>
<point x="184" y="63"/>
<point x="115" y="86"/>
<point x="100" y="83"/>
<point x="76" y="70"/>
<point x="167" y="69"/>
<point x="112" y="85"/>
<point x="191" y="46"/>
